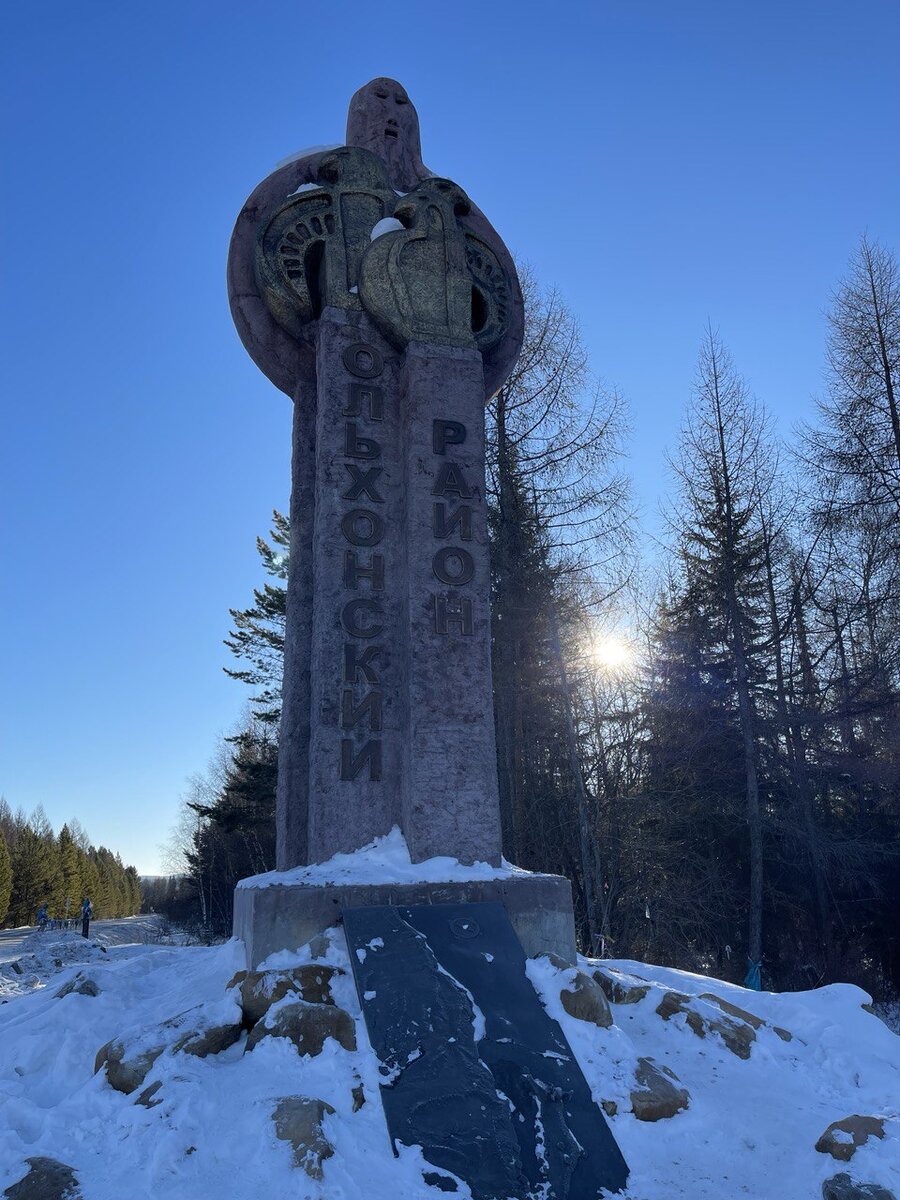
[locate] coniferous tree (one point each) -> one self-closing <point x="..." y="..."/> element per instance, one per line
<point x="724" y="468"/>
<point x="257" y="638"/>
<point x="69" y="893"/>
<point x="29" y="877"/>
<point x="5" y="879"/>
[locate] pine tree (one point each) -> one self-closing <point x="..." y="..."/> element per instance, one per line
<point x="69" y="893"/>
<point x="5" y="879"/>
<point x="258" y="635"/>
<point x="29" y="877"/>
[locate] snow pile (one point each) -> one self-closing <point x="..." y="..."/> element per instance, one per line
<point x="37" y="957"/>
<point x="749" y="1131"/>
<point x="385" y="860"/>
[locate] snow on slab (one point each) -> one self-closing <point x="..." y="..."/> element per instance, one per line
<point x="385" y="860"/>
<point x="749" y="1133"/>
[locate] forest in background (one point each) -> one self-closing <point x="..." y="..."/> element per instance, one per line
<point x="705" y="739"/>
<point x="40" y="867"/>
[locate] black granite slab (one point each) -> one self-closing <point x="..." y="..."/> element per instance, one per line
<point x="474" y="1069"/>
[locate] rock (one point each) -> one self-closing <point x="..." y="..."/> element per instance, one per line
<point x="658" y="1095"/>
<point x="732" y="1010"/>
<point x="236" y="979"/>
<point x="308" y="1026"/>
<point x="618" y="987"/>
<point x="213" y="1040"/>
<point x="584" y="999"/>
<point x="609" y="1107"/>
<point x="737" y="1034"/>
<point x="199" y="1031"/>
<point x="741" y="1014"/>
<point x="47" y="1179"/>
<point x="261" y="989"/>
<point x="298" y="1120"/>
<point x="146" y="1096"/>
<point x="842" y="1138"/>
<point x="557" y="961"/>
<point x="125" y="1072"/>
<point x="842" y="1187"/>
<point x="81" y="985"/>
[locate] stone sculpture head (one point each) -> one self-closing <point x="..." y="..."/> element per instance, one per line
<point x="383" y="119"/>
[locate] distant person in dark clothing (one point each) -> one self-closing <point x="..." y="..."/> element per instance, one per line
<point x="87" y="912"/>
<point x="42" y="917"/>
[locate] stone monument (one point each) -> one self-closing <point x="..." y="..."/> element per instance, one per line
<point x="381" y="300"/>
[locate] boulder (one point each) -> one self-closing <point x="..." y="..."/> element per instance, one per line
<point x="741" y="1014"/>
<point x="199" y="1031"/>
<point x="261" y="989"/>
<point x="47" y="1179"/>
<point x="126" y="1069"/>
<point x="618" y="987"/>
<point x="842" y="1138"/>
<point x="842" y="1187"/>
<point x="658" y="1095"/>
<point x="308" y="1026"/>
<point x="584" y="999"/>
<point x="610" y="1107"/>
<point x="298" y="1120"/>
<point x="732" y="1010"/>
<point x="81" y="985"/>
<point x="737" y="1034"/>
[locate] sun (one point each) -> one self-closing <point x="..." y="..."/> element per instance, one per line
<point x="614" y="653"/>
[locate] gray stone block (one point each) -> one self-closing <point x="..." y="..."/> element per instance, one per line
<point x="287" y="916"/>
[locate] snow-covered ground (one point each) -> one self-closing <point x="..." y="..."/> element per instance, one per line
<point x="749" y="1131"/>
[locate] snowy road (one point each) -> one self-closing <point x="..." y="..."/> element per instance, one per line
<point x="119" y="932"/>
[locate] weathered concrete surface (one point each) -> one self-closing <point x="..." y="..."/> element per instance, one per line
<point x="356" y="702"/>
<point x="450" y="800"/>
<point x="292" y="793"/>
<point x="269" y="919"/>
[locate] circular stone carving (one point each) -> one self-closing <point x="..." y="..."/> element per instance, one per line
<point x="286" y="356"/>
<point x="465" y="928"/>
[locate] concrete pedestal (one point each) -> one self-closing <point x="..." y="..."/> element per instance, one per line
<point x="287" y="916"/>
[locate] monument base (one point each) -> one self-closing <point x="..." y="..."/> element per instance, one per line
<point x="274" y="917"/>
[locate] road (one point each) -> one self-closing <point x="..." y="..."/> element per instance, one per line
<point x="118" y="932"/>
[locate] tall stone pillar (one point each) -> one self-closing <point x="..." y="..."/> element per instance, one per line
<point x="380" y="299"/>
<point x="450" y="795"/>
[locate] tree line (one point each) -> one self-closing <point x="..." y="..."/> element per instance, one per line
<point x="39" y="867"/>
<point x="726" y="796"/>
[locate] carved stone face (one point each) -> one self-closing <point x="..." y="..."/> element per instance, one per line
<point x="382" y="119"/>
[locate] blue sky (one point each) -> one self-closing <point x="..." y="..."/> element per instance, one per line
<point x="660" y="163"/>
